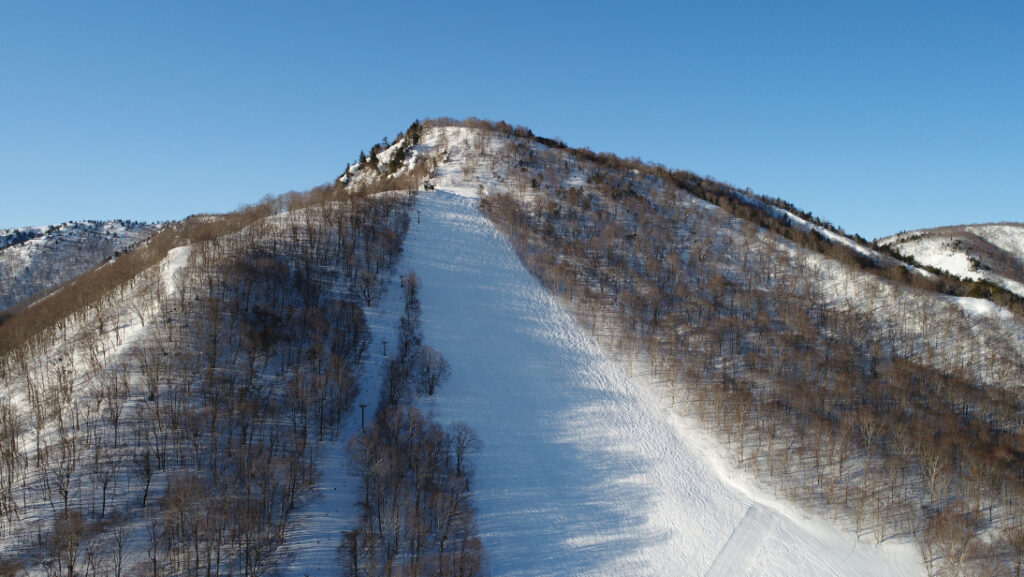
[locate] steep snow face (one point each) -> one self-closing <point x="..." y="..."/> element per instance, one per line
<point x="937" y="252"/>
<point x="35" y="260"/>
<point x="990" y="252"/>
<point x="585" y="470"/>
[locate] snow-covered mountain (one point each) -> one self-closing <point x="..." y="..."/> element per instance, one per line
<point x="988" y="252"/>
<point x="647" y="373"/>
<point x="35" y="260"/>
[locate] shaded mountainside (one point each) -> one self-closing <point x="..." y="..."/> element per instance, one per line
<point x="992" y="253"/>
<point x="36" y="260"/>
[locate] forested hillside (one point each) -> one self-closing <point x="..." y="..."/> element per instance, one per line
<point x="893" y="407"/>
<point x="163" y="414"/>
<point x="564" y="330"/>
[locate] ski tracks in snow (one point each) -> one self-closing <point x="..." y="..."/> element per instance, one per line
<point x="735" y="558"/>
<point x="583" y="471"/>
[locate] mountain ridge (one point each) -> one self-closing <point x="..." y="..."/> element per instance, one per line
<point x="36" y="260"/>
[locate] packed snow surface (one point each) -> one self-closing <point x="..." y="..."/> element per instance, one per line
<point x="585" y="470"/>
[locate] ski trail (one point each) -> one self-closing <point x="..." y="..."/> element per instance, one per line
<point x="331" y="507"/>
<point x="584" y="470"/>
<point x="581" y="473"/>
<point x="735" y="558"/>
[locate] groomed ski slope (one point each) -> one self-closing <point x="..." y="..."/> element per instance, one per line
<point x="585" y="471"/>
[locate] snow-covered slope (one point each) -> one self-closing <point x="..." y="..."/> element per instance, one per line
<point x="585" y="470"/>
<point x="35" y="260"/>
<point x="586" y="467"/>
<point x="107" y="345"/>
<point x="990" y="252"/>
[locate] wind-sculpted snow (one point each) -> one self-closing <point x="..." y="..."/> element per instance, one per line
<point x="584" y="470"/>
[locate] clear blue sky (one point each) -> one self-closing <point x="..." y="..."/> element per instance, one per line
<point x="876" y="116"/>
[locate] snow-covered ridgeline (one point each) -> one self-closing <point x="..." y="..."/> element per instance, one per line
<point x="990" y="252"/>
<point x="909" y="314"/>
<point x="586" y="469"/>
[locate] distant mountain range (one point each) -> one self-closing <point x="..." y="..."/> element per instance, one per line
<point x="36" y="260"/>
